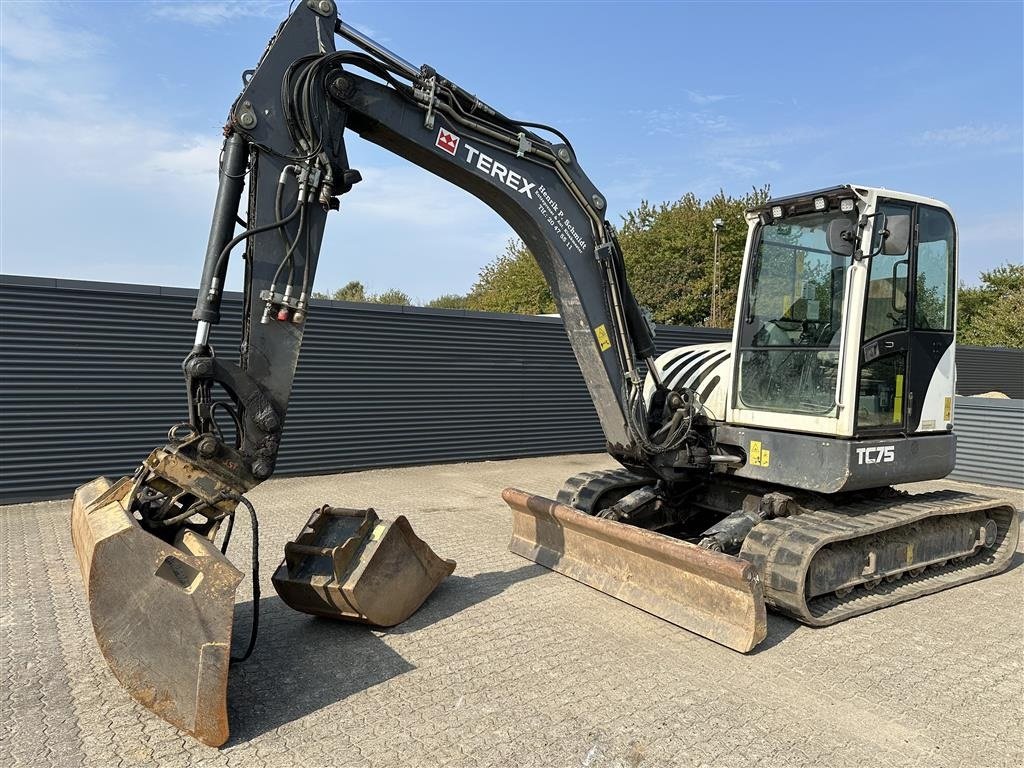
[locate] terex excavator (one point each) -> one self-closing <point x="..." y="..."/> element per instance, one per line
<point x="757" y="472"/>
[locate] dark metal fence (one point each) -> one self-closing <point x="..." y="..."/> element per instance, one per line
<point x="987" y="369"/>
<point x="91" y="381"/>
<point x="989" y="441"/>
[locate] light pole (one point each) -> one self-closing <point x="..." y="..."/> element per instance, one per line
<point x="717" y="225"/>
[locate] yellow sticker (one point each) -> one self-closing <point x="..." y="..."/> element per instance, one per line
<point x="755" y="453"/>
<point x="897" y="402"/>
<point x="947" y="408"/>
<point x="758" y="455"/>
<point x="602" y="338"/>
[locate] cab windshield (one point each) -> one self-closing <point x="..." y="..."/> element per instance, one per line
<point x="789" y="340"/>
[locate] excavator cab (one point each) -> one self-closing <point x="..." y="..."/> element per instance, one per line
<point x="837" y="384"/>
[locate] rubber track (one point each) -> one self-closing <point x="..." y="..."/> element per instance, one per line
<point x="782" y="549"/>
<point x="584" y="490"/>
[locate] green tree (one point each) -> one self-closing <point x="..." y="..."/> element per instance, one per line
<point x="391" y="296"/>
<point x="356" y="291"/>
<point x="991" y="314"/>
<point x="669" y="253"/>
<point x="451" y="301"/>
<point x="352" y="291"/>
<point x="512" y="283"/>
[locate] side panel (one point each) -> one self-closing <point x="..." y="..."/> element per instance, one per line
<point x="828" y="465"/>
<point x="704" y="368"/>
<point x="937" y="402"/>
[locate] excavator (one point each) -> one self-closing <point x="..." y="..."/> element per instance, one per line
<point x="756" y="473"/>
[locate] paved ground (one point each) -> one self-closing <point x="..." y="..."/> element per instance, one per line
<point x="509" y="664"/>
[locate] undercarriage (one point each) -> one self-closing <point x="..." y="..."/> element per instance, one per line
<point x="820" y="558"/>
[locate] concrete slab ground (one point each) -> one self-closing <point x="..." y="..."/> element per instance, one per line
<point x="510" y="664"/>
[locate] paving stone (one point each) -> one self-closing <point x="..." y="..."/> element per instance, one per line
<point x="510" y="664"/>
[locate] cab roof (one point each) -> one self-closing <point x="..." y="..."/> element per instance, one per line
<point x="862" y="191"/>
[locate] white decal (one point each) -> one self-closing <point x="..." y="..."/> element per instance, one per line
<point x="496" y="170"/>
<point x="882" y="454"/>
<point x="447" y="141"/>
<point x="559" y="222"/>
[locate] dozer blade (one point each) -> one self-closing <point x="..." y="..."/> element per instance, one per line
<point x="162" y="613"/>
<point x="711" y="594"/>
<point x="349" y="564"/>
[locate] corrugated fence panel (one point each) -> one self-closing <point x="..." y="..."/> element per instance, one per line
<point x="989" y="441"/>
<point x="92" y="381"/>
<point x="986" y="369"/>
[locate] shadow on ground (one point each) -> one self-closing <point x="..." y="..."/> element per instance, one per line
<point x="303" y="663"/>
<point x="300" y="665"/>
<point x="457" y="593"/>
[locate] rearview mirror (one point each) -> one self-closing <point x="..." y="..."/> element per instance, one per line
<point x="841" y="237"/>
<point x="898" y="227"/>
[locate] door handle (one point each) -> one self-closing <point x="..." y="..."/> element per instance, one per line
<point x="889" y="344"/>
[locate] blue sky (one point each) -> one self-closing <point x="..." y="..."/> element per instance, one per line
<point x="111" y="114"/>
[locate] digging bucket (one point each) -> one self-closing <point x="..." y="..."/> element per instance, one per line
<point x="349" y="564"/>
<point x="708" y="593"/>
<point x="161" y="612"/>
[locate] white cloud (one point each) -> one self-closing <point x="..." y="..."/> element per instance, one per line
<point x="747" y="167"/>
<point x="28" y="34"/>
<point x="681" y="123"/>
<point x="753" y="141"/>
<point x="1005" y="227"/>
<point x="211" y="13"/>
<point x="704" y="99"/>
<point x="128" y="197"/>
<point x="969" y="135"/>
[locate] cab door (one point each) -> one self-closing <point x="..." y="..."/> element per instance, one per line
<point x="905" y="379"/>
<point x="931" y="366"/>
<point x="885" y="339"/>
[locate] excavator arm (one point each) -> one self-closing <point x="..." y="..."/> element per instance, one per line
<point x="285" y="139"/>
<point x="288" y="128"/>
<point x="146" y="543"/>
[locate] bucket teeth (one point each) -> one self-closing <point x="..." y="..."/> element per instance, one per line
<point x="708" y="593"/>
<point x="161" y="612"/>
<point x="349" y="564"/>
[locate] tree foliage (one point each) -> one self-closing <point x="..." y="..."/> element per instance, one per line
<point x="512" y="283"/>
<point x="451" y="301"/>
<point x="391" y="296"/>
<point x="356" y="291"/>
<point x="669" y="252"/>
<point x="991" y="314"/>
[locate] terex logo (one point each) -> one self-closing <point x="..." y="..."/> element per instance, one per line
<point x="496" y="170"/>
<point x="881" y="454"/>
<point x="447" y="141"/>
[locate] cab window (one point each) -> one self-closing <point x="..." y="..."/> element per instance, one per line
<point x="789" y="354"/>
<point x="934" y="287"/>
<point x="885" y="307"/>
